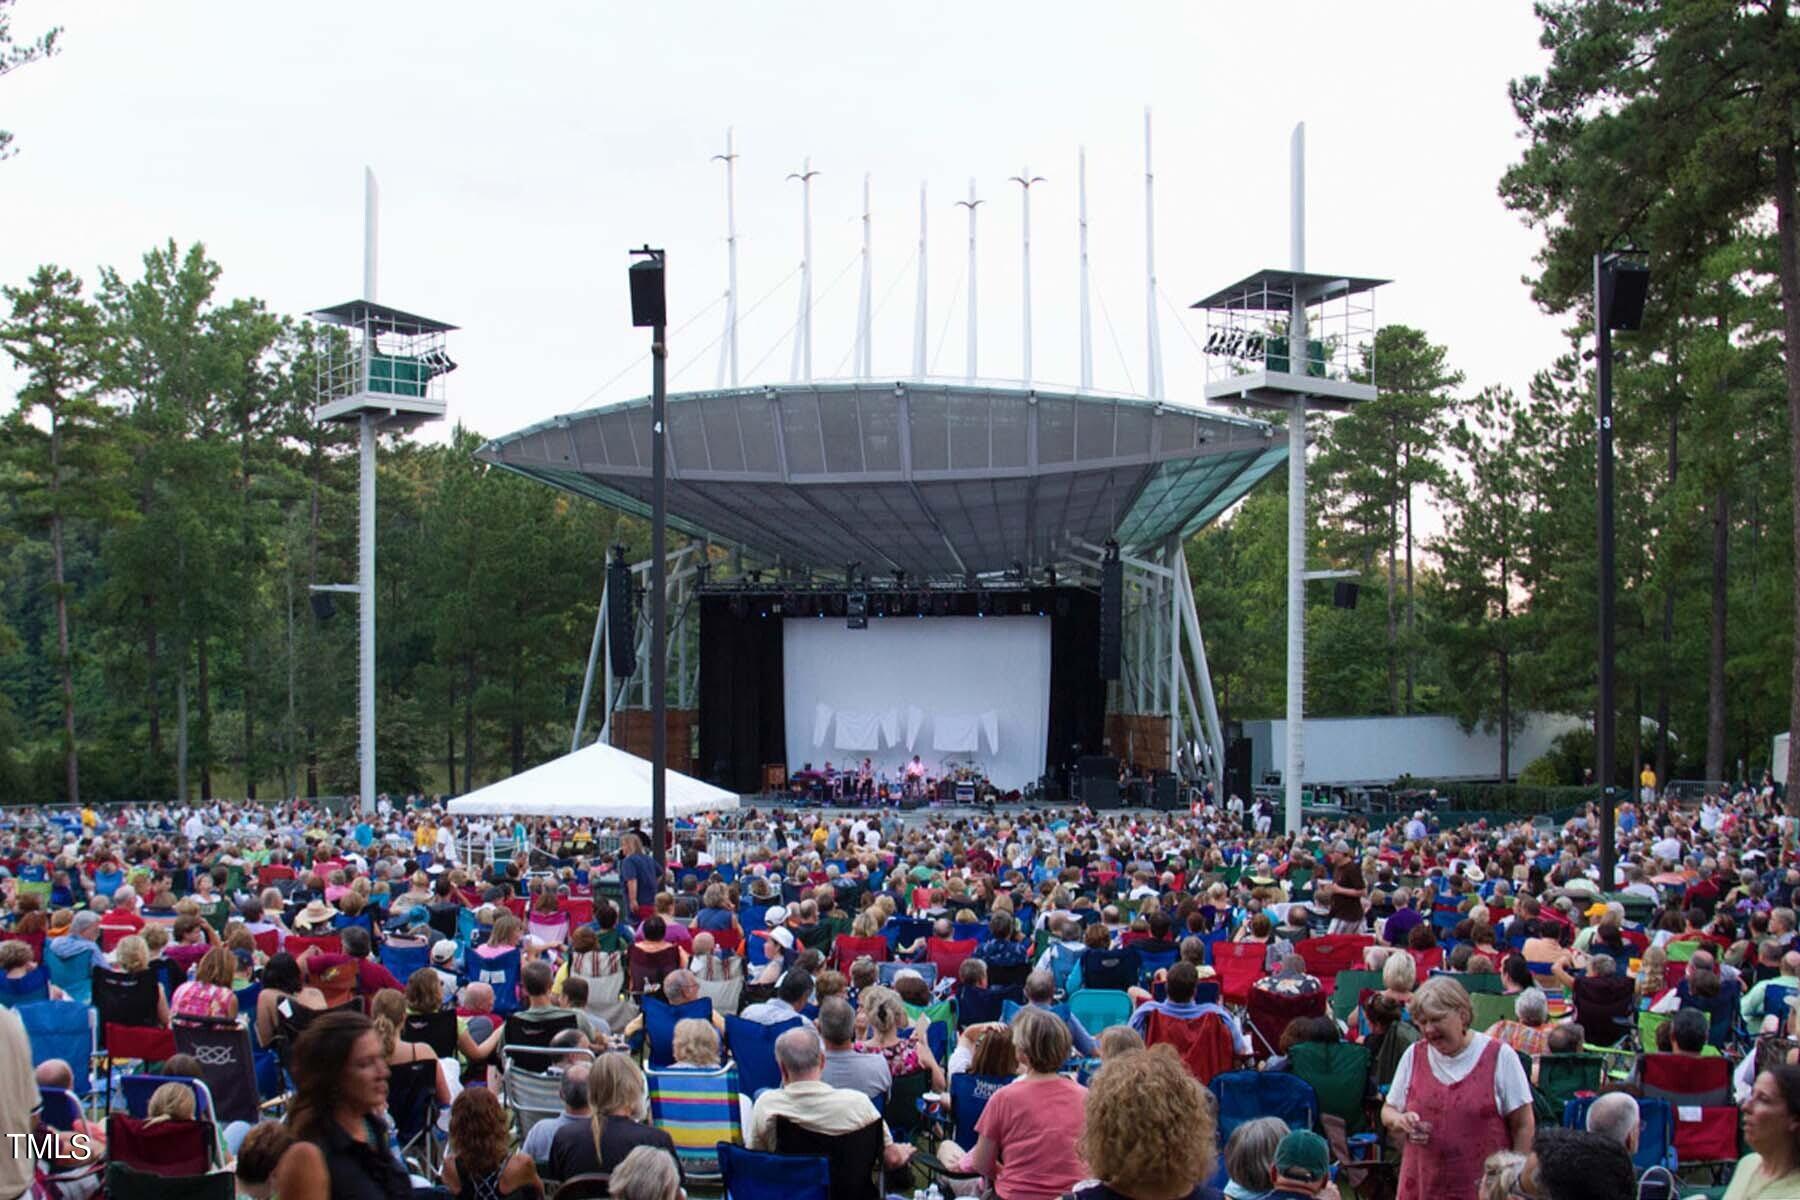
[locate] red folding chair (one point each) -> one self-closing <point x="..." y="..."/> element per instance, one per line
<point x="168" y="1148"/>
<point x="34" y="940"/>
<point x="112" y="935"/>
<point x="948" y="956"/>
<point x="846" y="950"/>
<point x="298" y="945"/>
<point x="1682" y="1079"/>
<point x="1706" y="1135"/>
<point x="1426" y="961"/>
<point x="1269" y="1014"/>
<point x="728" y="941"/>
<point x="1326" y="956"/>
<point x="579" y="908"/>
<point x="515" y="905"/>
<point x="1239" y="965"/>
<point x="1204" y="1043"/>
<point x="270" y="875"/>
<point x="268" y="942"/>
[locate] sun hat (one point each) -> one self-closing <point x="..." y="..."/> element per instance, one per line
<point x="315" y="913"/>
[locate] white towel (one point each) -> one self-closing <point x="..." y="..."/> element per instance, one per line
<point x="858" y="731"/>
<point x="957" y="733"/>
<point x="821" y="723"/>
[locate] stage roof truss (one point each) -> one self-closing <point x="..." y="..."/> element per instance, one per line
<point x="937" y="480"/>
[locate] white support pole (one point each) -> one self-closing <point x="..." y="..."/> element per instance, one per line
<point x="1215" y="733"/>
<point x="1146" y="618"/>
<point x="802" y="368"/>
<point x="683" y="694"/>
<point x="974" y="306"/>
<point x="1155" y="388"/>
<point x="587" y="679"/>
<point x="1025" y="179"/>
<point x="863" y="317"/>
<point x="1087" y="323"/>
<point x="1294" y="768"/>
<point x="919" y="319"/>
<point x="1176" y="737"/>
<point x="728" y="353"/>
<point x="365" y="557"/>
<point x="606" y="692"/>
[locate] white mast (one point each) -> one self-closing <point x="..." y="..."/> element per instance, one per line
<point x="1025" y="179"/>
<point x="1087" y="325"/>
<point x="365" y="514"/>
<point x="972" y="204"/>
<point x="728" y="353"/>
<point x="803" y="334"/>
<point x="863" y="319"/>
<point x="1295" y="765"/>
<point x="1155" y="390"/>
<point x="919" y="365"/>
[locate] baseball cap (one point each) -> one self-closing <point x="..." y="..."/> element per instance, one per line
<point x="443" y="951"/>
<point x="1303" y="1155"/>
<point x="783" y="938"/>
<point x="775" y="916"/>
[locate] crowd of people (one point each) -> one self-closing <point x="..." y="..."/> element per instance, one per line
<point x="1029" y="1004"/>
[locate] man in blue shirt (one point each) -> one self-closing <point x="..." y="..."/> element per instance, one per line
<point x="81" y="942"/>
<point x="638" y="876"/>
<point x="1000" y="949"/>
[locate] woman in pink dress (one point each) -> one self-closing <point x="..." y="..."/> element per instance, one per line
<point x="208" y="993"/>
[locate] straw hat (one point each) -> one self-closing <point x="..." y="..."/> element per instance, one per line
<point x="314" y="914"/>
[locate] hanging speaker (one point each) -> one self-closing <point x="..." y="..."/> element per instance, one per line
<point x="323" y="606"/>
<point x="1343" y="595"/>
<point x="1112" y="616"/>
<point x="620" y="619"/>
<point x="648" y="307"/>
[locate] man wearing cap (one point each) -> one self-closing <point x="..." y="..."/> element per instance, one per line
<point x="1302" y="1169"/>
<point x="443" y="961"/>
<point x="81" y="942"/>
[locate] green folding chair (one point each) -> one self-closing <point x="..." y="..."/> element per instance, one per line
<point x="1339" y="1073"/>
<point x="1348" y="988"/>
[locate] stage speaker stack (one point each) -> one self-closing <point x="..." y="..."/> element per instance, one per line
<point x="1343" y="595"/>
<point x="1166" y="796"/>
<point x="621" y="635"/>
<point x="1112" y="614"/>
<point x="1097" y="775"/>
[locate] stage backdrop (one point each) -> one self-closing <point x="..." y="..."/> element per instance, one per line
<point x="961" y="689"/>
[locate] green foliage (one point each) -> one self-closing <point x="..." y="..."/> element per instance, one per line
<point x="15" y="54"/>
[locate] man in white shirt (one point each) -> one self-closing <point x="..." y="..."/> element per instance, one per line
<point x="1667" y="848"/>
<point x="445" y="845"/>
<point x="1416" y="830"/>
<point x="808" y="1101"/>
<point x="193" y="827"/>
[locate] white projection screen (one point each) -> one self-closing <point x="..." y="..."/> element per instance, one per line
<point x="952" y="669"/>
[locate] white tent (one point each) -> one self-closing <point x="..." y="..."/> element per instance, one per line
<point x="595" y="781"/>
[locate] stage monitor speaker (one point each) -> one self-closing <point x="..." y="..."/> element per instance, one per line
<point x="1166" y="796"/>
<point x="1343" y="595"/>
<point x="1239" y="754"/>
<point x="323" y="606"/>
<point x="1100" y="794"/>
<point x="1112" y="617"/>
<point x="621" y="621"/>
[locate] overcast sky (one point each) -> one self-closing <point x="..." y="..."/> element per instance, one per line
<point x="522" y="148"/>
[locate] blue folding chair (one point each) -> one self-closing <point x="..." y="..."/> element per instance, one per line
<point x="907" y="931"/>
<point x="1245" y="1095"/>
<point x="402" y="961"/>
<point x="977" y="1006"/>
<point x="758" y="1175"/>
<point x="969" y="1094"/>
<point x="754" y="919"/>
<point x="753" y="1047"/>
<point x="1775" y="1001"/>
<point x="660" y="1019"/>
<point x="1098" y="1008"/>
<point x="1656" y="1129"/>
<point x="33" y="987"/>
<point x="59" y="1107"/>
<point x="73" y="973"/>
<point x="500" y="972"/>
<point x="1152" y="961"/>
<point x="61" y="1029"/>
<point x="137" y="1090"/>
<point x="886" y="972"/>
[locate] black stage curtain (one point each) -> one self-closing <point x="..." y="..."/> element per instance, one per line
<point x="742" y="717"/>
<point x="1077" y="693"/>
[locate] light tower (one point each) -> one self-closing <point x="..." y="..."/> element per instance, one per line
<point x="1289" y="341"/>
<point x="383" y="374"/>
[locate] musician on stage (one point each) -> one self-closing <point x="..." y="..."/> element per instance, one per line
<point x="865" y="781"/>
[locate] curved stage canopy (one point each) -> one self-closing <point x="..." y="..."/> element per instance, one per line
<point x="938" y="480"/>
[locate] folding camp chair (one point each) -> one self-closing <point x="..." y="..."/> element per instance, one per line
<point x="171" y="1147"/>
<point x="1245" y="1095"/>
<point x="1268" y="1015"/>
<point x="1098" y="1008"/>
<point x="1656" y="1131"/>
<point x="60" y="1108"/>
<point x="1239" y="965"/>
<point x="136" y="1091"/>
<point x="61" y="1029"/>
<point x="977" y="1006"/>
<point x="887" y="972"/>
<point x="846" y="950"/>
<point x="1339" y="1074"/>
<point x="1561" y="1077"/>
<point x="223" y="1048"/>
<point x="1683" y="1079"/>
<point x="527" y="1086"/>
<point x="437" y="1030"/>
<point x="412" y="1106"/>
<point x="1490" y="1009"/>
<point x="73" y="973"/>
<point x="753" y="1049"/>
<point x="757" y="1175"/>
<point x="698" y="1109"/>
<point x="33" y="987"/>
<point x="1205" y="1044"/>
<point x="1326" y="956"/>
<point x="124" y="1182"/>
<point x="402" y="961"/>
<point x="854" y="1159"/>
<point x="1115" y="970"/>
<point x="552" y="931"/>
<point x="660" y="1019"/>
<point x="526" y="1028"/>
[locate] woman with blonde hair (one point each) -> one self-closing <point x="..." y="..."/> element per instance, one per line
<point x="1500" y="1175"/>
<point x="617" y="1099"/>
<point x="209" y="993"/>
<point x="884" y="1014"/>
<point x="1149" y="1131"/>
<point x="170" y="1102"/>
